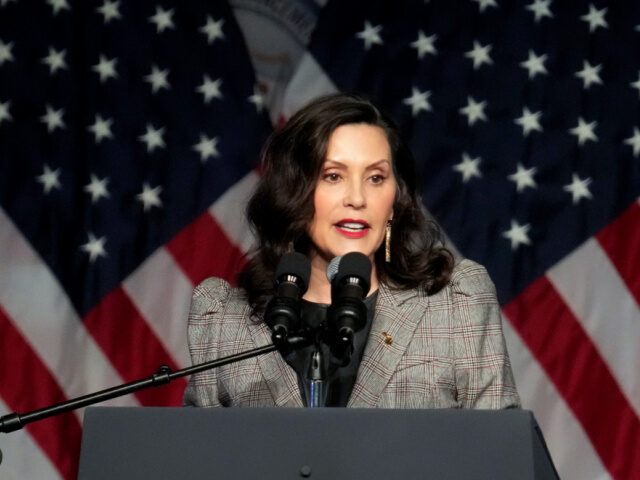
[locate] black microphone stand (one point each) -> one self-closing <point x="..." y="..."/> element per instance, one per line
<point x="316" y="391"/>
<point x="163" y="376"/>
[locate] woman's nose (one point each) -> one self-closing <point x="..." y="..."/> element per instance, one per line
<point x="355" y="195"/>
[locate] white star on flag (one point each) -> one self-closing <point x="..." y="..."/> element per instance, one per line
<point x="94" y="247"/>
<point x="257" y="99"/>
<point x="529" y="121"/>
<point x="535" y="64"/>
<point x="5" y="52"/>
<point x="5" y="114"/>
<point x="425" y="44"/>
<point x="97" y="188"/>
<point x="55" y="60"/>
<point x="109" y="10"/>
<point x="634" y="141"/>
<point x="474" y="111"/>
<point x="207" y="147"/>
<point x="158" y="79"/>
<point x="150" y="197"/>
<point x="636" y="84"/>
<point x="53" y="119"/>
<point x="595" y="18"/>
<point x="479" y="54"/>
<point x="49" y="179"/>
<point x="517" y="234"/>
<point x="584" y="131"/>
<point x="540" y="9"/>
<point x="418" y="101"/>
<point x="523" y="178"/>
<point x="468" y="167"/>
<point x="106" y="68"/>
<point x="210" y="88"/>
<point x="370" y="35"/>
<point x="58" y="5"/>
<point x="153" y="138"/>
<point x="589" y="74"/>
<point x="213" y="29"/>
<point x="578" y="188"/>
<point x="163" y="19"/>
<point x="101" y="128"/>
<point x="483" y="4"/>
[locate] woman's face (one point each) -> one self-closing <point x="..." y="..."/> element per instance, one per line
<point x="354" y="195"/>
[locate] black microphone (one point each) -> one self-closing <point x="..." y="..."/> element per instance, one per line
<point x="350" y="284"/>
<point x="283" y="311"/>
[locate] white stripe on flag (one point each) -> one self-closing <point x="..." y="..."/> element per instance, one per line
<point x="308" y="82"/>
<point x="229" y="211"/>
<point x="41" y="310"/>
<point x="571" y="450"/>
<point x="162" y="293"/>
<point x="22" y="458"/>
<point x="590" y="286"/>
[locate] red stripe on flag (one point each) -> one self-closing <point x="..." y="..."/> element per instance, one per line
<point x="132" y="347"/>
<point x="27" y="384"/>
<point x="202" y="250"/>
<point x="621" y="241"/>
<point x="572" y="362"/>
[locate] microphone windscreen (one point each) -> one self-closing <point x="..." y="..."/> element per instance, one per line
<point x="295" y="263"/>
<point x="355" y="264"/>
<point x="332" y="268"/>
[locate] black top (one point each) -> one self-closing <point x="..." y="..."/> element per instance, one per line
<point x="339" y="379"/>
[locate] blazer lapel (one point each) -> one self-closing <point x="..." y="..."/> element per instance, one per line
<point x="393" y="327"/>
<point x="280" y="378"/>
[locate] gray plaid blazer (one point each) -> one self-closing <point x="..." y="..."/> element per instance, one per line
<point x="446" y="351"/>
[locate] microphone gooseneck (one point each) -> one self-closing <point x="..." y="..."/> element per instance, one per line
<point x="283" y="311"/>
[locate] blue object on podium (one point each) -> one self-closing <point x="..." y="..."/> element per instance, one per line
<point x="332" y="443"/>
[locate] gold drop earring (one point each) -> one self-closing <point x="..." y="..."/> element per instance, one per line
<point x="387" y="243"/>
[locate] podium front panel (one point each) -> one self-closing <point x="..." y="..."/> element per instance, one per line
<point x="333" y="443"/>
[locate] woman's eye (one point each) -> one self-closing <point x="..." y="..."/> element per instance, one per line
<point x="377" y="179"/>
<point x="331" y="177"/>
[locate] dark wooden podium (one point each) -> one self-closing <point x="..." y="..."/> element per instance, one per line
<point x="334" y="444"/>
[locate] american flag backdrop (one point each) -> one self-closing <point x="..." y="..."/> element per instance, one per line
<point x="129" y="132"/>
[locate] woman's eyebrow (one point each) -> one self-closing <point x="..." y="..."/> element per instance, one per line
<point x="337" y="163"/>
<point x="379" y="163"/>
<point x="333" y="163"/>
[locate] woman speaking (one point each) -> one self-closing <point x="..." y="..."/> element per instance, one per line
<point x="339" y="179"/>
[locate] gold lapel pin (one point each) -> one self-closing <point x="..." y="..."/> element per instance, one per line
<point x="388" y="339"/>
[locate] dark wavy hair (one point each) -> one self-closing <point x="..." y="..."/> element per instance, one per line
<point x="282" y="207"/>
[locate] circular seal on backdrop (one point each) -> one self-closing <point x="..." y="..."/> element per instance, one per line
<point x="276" y="33"/>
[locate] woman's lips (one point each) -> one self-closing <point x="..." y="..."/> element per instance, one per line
<point x="352" y="228"/>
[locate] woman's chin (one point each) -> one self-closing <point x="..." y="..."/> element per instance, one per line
<point x="339" y="252"/>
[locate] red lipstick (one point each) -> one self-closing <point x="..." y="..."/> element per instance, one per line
<point x="351" y="228"/>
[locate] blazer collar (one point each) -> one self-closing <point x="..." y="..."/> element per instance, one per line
<point x="396" y="318"/>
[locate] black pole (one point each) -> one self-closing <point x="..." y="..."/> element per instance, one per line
<point x="164" y="375"/>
